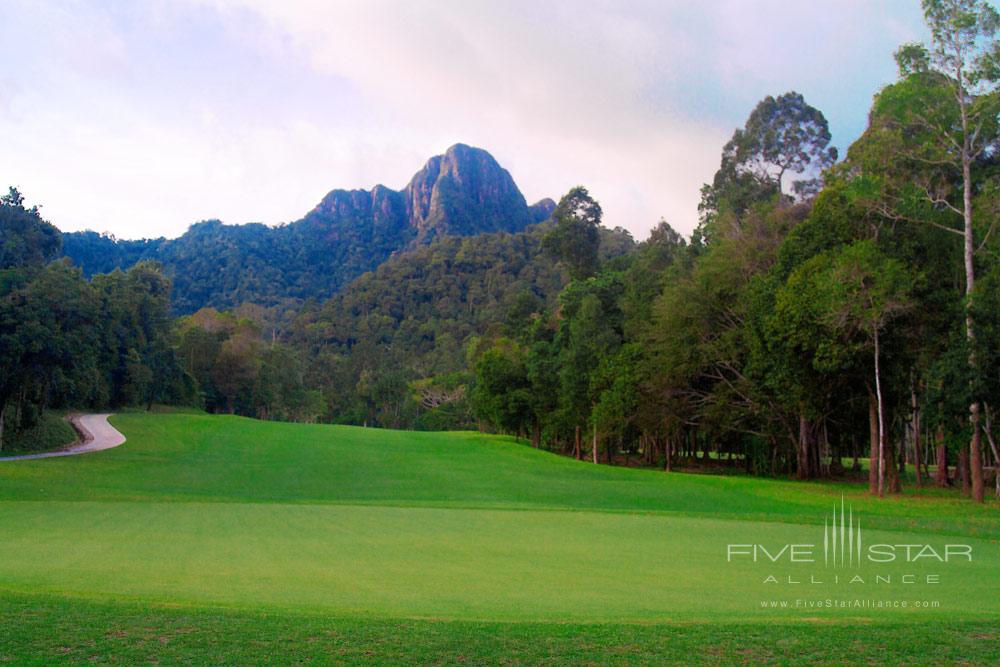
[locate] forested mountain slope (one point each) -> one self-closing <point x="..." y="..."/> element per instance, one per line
<point x="461" y="193"/>
<point x="416" y="317"/>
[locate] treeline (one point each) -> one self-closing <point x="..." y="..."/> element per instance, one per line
<point x="69" y="342"/>
<point x="801" y="326"/>
<point x="235" y="370"/>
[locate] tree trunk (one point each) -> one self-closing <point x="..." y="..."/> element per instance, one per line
<point x="3" y="417"/>
<point x="595" y="444"/>
<point x="975" y="447"/>
<point x="827" y="453"/>
<point x="536" y="435"/>
<point x="577" y="447"/>
<point x="988" y="428"/>
<point x="963" y="470"/>
<point x="873" y="467"/>
<point x="667" y="463"/>
<point x="915" y="417"/>
<point x="803" y="468"/>
<point x="925" y="455"/>
<point x="976" y="456"/>
<point x="881" y="419"/>
<point x="941" y="474"/>
<point x="892" y="470"/>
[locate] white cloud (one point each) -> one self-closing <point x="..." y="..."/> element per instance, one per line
<point x="144" y="119"/>
<point x="556" y="93"/>
<point x="584" y="92"/>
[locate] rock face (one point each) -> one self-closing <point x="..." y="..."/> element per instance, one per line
<point x="461" y="193"/>
<point x="542" y="210"/>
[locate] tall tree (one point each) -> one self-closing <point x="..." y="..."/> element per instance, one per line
<point x="782" y="135"/>
<point x="867" y="290"/>
<point x="948" y="109"/>
<point x="576" y="238"/>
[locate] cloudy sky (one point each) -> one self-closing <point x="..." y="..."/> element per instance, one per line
<point x="139" y="118"/>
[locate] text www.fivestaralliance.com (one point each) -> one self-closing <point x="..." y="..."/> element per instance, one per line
<point x="849" y="604"/>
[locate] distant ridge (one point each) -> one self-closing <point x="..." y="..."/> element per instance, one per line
<point x="463" y="192"/>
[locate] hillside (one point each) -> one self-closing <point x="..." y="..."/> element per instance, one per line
<point x="414" y="318"/>
<point x="452" y="288"/>
<point x="463" y="192"/>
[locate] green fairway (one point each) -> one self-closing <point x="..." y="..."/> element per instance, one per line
<point x="229" y="518"/>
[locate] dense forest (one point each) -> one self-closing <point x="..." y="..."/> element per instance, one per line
<point x="67" y="341"/>
<point x="825" y="310"/>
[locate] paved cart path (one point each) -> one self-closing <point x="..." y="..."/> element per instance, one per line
<point x="97" y="434"/>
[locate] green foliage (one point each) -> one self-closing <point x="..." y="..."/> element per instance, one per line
<point x="781" y="136"/>
<point x="235" y="371"/>
<point x="26" y="240"/>
<point x="68" y="342"/>
<point x="413" y="319"/>
<point x="502" y="394"/>
<point x="51" y="431"/>
<point x="575" y="239"/>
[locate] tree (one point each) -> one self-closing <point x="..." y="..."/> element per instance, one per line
<point x="782" y="135"/>
<point x="616" y="385"/>
<point x="25" y="238"/>
<point x="700" y="342"/>
<point x="49" y="345"/>
<point x="576" y="239"/>
<point x="589" y="333"/>
<point x="945" y="112"/>
<point x="501" y="394"/>
<point x="866" y="291"/>
<point x="236" y="370"/>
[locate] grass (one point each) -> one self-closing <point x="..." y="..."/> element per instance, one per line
<point x="51" y="432"/>
<point x="218" y="539"/>
<point x="47" y="631"/>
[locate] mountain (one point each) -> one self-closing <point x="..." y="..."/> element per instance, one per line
<point x="463" y="192"/>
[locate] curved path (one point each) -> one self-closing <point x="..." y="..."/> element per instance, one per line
<point x="96" y="432"/>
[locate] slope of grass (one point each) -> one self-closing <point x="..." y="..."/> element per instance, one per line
<point x="231" y="459"/>
<point x="220" y="539"/>
<point x="52" y="431"/>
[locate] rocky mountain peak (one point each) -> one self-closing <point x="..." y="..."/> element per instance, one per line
<point x="464" y="192"/>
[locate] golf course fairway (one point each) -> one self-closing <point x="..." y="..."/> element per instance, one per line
<point x="220" y="539"/>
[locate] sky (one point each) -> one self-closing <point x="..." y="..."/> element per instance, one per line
<point x="141" y="118"/>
